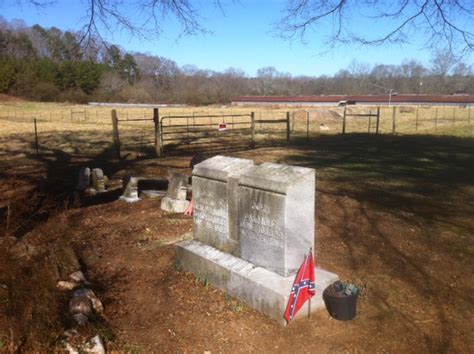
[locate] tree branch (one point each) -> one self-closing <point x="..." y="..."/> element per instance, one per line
<point x="445" y="23"/>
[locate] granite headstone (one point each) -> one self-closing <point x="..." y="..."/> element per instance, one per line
<point x="252" y="229"/>
<point x="276" y="216"/>
<point x="215" y="183"/>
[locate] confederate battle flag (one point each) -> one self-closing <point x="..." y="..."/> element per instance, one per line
<point x="303" y="287"/>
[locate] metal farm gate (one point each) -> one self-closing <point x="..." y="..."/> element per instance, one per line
<point x="200" y="133"/>
<point x="206" y="132"/>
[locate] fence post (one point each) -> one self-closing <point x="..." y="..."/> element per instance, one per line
<point x="252" y="128"/>
<point x="344" y="121"/>
<point x="370" y="121"/>
<point x="454" y="113"/>
<point x="436" y="118"/>
<point x="307" y="126"/>
<point x="469" y="118"/>
<point x="416" y="119"/>
<point x="288" y="128"/>
<point x="36" y="138"/>
<point x="115" y="132"/>
<point x="394" y="123"/>
<point x="156" y="121"/>
<point x="378" y="121"/>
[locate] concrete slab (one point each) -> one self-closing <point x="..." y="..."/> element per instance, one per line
<point x="129" y="199"/>
<point x="152" y="193"/>
<point x="260" y="288"/>
<point x="174" y="205"/>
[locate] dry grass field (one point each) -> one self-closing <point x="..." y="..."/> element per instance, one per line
<point x="57" y="123"/>
<point x="393" y="215"/>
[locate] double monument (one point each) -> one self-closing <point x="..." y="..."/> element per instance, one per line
<point x="253" y="225"/>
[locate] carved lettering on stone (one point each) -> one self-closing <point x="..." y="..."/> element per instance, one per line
<point x="276" y="216"/>
<point x="215" y="183"/>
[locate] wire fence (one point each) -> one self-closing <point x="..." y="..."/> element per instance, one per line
<point x="137" y="126"/>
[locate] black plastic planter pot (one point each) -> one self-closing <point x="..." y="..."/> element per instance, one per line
<point x="341" y="308"/>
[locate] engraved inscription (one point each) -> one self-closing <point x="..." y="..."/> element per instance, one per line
<point x="211" y="214"/>
<point x="260" y="227"/>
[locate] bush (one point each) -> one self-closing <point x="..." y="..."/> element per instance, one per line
<point x="44" y="91"/>
<point x="73" y="96"/>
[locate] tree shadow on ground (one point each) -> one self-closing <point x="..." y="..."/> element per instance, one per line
<point x="404" y="207"/>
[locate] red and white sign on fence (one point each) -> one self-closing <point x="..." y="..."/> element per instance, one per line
<point x="222" y="126"/>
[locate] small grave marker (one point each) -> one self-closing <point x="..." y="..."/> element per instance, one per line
<point x="98" y="180"/>
<point x="84" y="179"/>
<point x="175" y="199"/>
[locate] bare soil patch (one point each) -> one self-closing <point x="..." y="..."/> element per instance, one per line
<point x="393" y="215"/>
<point x="8" y="98"/>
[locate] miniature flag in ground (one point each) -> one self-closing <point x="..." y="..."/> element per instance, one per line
<point x="303" y="287"/>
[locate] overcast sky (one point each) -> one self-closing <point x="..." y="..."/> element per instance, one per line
<point x="241" y="37"/>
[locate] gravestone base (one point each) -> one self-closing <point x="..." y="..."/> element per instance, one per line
<point x="129" y="199"/>
<point x="174" y="205"/>
<point x="260" y="288"/>
<point x="152" y="193"/>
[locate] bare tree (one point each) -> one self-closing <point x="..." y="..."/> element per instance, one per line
<point x="140" y="18"/>
<point x="444" y="23"/>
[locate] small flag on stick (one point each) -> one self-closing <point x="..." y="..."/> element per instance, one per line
<point x="303" y="287"/>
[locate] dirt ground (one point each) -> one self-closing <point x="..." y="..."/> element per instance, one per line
<point x="393" y="215"/>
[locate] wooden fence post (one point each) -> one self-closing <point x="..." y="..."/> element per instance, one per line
<point x="158" y="139"/>
<point x="394" y="122"/>
<point x="288" y="127"/>
<point x="252" y="128"/>
<point x="378" y="121"/>
<point x="436" y="118"/>
<point x="115" y="132"/>
<point x="344" y="121"/>
<point x="454" y="113"/>
<point x="36" y="138"/>
<point x="307" y="126"/>
<point x="370" y="121"/>
<point x="416" y="119"/>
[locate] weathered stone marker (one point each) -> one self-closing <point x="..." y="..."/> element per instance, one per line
<point x="145" y="186"/>
<point x="175" y="200"/>
<point x="215" y="192"/>
<point x="276" y="216"/>
<point x="84" y="179"/>
<point x="99" y="180"/>
<point x="177" y="186"/>
<point x="130" y="193"/>
<point x="252" y="227"/>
